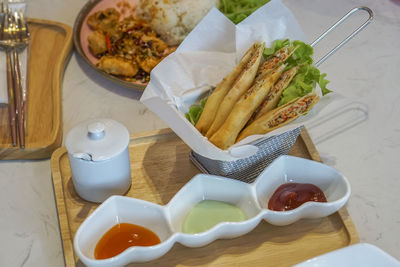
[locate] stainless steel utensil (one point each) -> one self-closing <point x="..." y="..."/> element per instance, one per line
<point x="21" y="40"/>
<point x="7" y="43"/>
<point x="348" y="38"/>
<point x="14" y="37"/>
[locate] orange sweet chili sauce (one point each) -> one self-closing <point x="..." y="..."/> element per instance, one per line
<point x="121" y="237"/>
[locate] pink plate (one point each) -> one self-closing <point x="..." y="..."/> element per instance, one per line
<point x="82" y="31"/>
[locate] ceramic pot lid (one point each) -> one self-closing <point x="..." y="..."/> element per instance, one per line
<point x="97" y="139"/>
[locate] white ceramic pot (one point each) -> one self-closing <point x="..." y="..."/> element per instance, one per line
<point x="99" y="159"/>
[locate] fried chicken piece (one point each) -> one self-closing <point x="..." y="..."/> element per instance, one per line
<point x="97" y="42"/>
<point x="131" y="23"/>
<point x="118" y="66"/>
<point x="169" y="50"/>
<point x="147" y="62"/>
<point x="155" y="43"/>
<point x="107" y="21"/>
<point x="126" y="45"/>
<point x="104" y="18"/>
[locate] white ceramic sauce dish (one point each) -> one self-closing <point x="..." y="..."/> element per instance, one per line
<point x="362" y="254"/>
<point x="166" y="221"/>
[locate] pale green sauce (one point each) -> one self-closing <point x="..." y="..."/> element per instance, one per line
<point x="208" y="213"/>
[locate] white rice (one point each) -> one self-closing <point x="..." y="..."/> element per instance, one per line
<point x="174" y="19"/>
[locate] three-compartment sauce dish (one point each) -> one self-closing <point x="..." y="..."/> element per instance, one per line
<point x="228" y="208"/>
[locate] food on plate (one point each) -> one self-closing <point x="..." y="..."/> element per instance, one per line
<point x="280" y="90"/>
<point x="140" y="36"/>
<point x="243" y="82"/>
<point x="280" y="116"/>
<point x="238" y="10"/>
<point x="292" y="195"/>
<point x="174" y="19"/>
<point x="118" y="65"/>
<point x="122" y="236"/>
<point x="106" y="21"/>
<point x="244" y="108"/>
<point x="97" y="42"/>
<point x="215" y="99"/>
<point x="208" y="213"/>
<point x="128" y="47"/>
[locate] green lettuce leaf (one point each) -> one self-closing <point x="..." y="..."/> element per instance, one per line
<point x="322" y="83"/>
<point x="193" y="115"/>
<point x="307" y="77"/>
<point x="302" y="84"/>
<point x="238" y="10"/>
<point x="278" y="44"/>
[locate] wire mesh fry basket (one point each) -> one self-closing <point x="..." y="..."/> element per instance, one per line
<point x="248" y="169"/>
<point x="270" y="148"/>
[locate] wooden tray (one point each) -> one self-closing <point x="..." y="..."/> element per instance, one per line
<point x="50" y="46"/>
<point x="160" y="167"/>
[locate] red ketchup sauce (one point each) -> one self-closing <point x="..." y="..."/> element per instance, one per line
<point x="291" y="195"/>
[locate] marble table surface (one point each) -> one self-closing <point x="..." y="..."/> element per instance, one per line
<point x="364" y="144"/>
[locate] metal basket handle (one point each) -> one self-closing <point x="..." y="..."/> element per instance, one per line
<point x="348" y="38"/>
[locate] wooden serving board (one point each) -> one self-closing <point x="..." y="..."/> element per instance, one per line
<point x="49" y="50"/>
<point x="160" y="166"/>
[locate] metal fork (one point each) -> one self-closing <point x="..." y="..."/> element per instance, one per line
<point x="14" y="37"/>
<point x="21" y="40"/>
<point x="6" y="41"/>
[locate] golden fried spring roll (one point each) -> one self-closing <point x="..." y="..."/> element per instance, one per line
<point x="273" y="97"/>
<point x="240" y="86"/>
<point x="244" y="108"/>
<point x="273" y="61"/>
<point x="280" y="116"/>
<point x="215" y="99"/>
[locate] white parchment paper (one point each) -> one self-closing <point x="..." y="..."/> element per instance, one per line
<point x="207" y="54"/>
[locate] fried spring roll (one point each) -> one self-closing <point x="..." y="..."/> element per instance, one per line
<point x="280" y="116"/>
<point x="273" y="61"/>
<point x="215" y="99"/>
<point x="240" y="86"/>
<point x="244" y="108"/>
<point x="273" y="97"/>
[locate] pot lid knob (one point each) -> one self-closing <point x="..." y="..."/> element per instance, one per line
<point x="96" y="130"/>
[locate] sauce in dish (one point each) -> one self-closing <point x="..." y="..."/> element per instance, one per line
<point x="121" y="237"/>
<point x="208" y="213"/>
<point x="292" y="195"/>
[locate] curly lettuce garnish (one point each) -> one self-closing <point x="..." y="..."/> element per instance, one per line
<point x="238" y="10"/>
<point x="307" y="77"/>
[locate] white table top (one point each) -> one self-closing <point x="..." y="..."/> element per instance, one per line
<point x="365" y="148"/>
